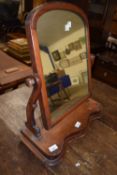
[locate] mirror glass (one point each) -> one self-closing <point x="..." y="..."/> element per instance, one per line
<point x="62" y="41"/>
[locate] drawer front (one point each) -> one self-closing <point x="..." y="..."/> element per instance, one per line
<point x="106" y="65"/>
<point x="105" y="75"/>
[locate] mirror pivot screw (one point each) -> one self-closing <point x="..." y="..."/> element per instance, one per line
<point x="30" y="82"/>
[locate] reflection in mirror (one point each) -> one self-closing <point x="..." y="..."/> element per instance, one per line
<point x="62" y="37"/>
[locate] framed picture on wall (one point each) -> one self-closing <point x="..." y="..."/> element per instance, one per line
<point x="84" y="77"/>
<point x="83" y="39"/>
<point x="77" y="45"/>
<point x="64" y="63"/>
<point x="83" y="55"/>
<point x="67" y="51"/>
<point x="74" y="80"/>
<point x="62" y="55"/>
<point x="56" y="55"/>
<point x="75" y="60"/>
<point x="71" y="46"/>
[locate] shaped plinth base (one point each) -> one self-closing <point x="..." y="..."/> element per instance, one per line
<point x="49" y="145"/>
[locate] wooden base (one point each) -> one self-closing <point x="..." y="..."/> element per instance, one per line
<point x="49" y="145"/>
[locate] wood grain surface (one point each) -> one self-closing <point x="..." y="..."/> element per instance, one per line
<point x="93" y="154"/>
<point x="12" y="72"/>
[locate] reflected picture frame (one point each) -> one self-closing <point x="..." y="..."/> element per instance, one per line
<point x="82" y="40"/>
<point x="62" y="55"/>
<point x="71" y="46"/>
<point x="77" y="45"/>
<point x="83" y="55"/>
<point x="56" y="55"/>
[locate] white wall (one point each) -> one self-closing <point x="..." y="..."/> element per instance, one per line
<point x="74" y="70"/>
<point x="46" y="63"/>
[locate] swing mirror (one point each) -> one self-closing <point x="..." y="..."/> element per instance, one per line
<point x="59" y="48"/>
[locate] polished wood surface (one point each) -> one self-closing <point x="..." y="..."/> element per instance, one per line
<point x="61" y="132"/>
<point x="93" y="154"/>
<point x="47" y="143"/>
<point x="105" y="67"/>
<point x="12" y="72"/>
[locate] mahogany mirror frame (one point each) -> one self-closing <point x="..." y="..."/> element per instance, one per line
<point x="31" y="24"/>
<point x="53" y="134"/>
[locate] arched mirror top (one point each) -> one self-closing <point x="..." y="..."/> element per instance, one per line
<point x="36" y="13"/>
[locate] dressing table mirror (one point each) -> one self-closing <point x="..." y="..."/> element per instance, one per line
<point x="58" y="39"/>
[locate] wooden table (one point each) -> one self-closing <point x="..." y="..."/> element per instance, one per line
<point x="93" y="154"/>
<point x="12" y="72"/>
